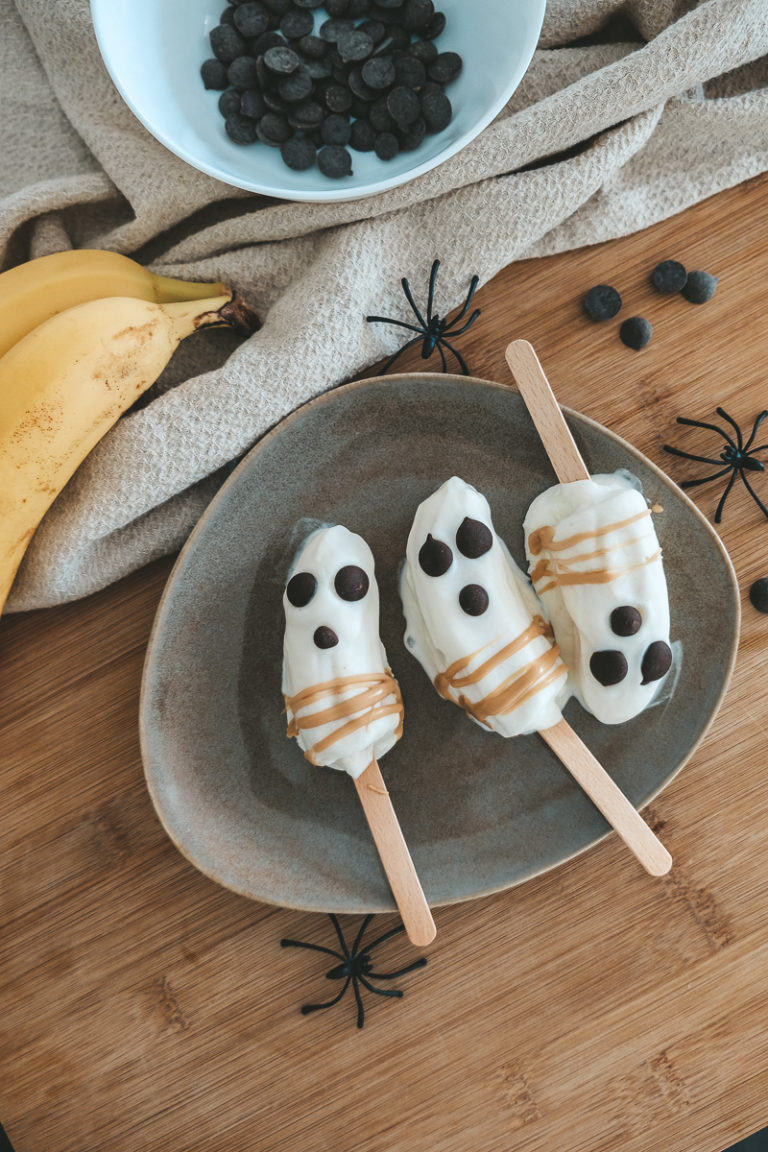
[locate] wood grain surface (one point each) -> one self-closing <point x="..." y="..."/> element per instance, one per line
<point x="594" y="1009"/>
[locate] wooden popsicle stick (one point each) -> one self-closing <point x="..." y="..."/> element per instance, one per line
<point x="606" y="795"/>
<point x="545" y="412"/>
<point x="395" y="857"/>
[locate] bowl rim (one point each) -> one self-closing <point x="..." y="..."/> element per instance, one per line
<point x="100" y="15"/>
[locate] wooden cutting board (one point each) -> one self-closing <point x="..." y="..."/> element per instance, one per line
<point x="595" y="1008"/>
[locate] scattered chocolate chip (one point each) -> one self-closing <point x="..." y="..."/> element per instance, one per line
<point x="602" y="302"/>
<point x="699" y="287"/>
<point x="351" y="582"/>
<point x="758" y="594"/>
<point x="669" y="276"/>
<point x="635" y="332"/>
<point x="608" y="667"/>
<point x="300" y="589"/>
<point x="657" y="661"/>
<point x="473" y="599"/>
<point x="334" y="161"/>
<point x="626" y="620"/>
<point x="435" y="557"/>
<point x="325" y="637"/>
<point x="473" y="538"/>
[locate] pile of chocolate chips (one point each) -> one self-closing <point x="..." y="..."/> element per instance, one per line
<point x="368" y="77"/>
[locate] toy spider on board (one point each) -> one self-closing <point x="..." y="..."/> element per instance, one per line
<point x="433" y="330"/>
<point x="737" y="456"/>
<point x="356" y="966"/>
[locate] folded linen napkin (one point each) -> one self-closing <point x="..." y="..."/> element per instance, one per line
<point x="631" y="111"/>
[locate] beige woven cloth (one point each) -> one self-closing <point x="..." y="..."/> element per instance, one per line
<point x="631" y="111"/>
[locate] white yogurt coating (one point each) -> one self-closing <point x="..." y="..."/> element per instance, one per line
<point x="500" y="665"/>
<point x="348" y="685"/>
<point x="592" y="548"/>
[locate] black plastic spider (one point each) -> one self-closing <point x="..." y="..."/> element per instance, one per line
<point x="738" y="458"/>
<point x="432" y="331"/>
<point x="356" y="966"/>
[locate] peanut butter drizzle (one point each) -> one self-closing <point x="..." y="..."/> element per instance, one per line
<point x="562" y="570"/>
<point x="518" y="688"/>
<point x="369" y="702"/>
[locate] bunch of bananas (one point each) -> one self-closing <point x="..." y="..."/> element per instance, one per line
<point x="82" y="334"/>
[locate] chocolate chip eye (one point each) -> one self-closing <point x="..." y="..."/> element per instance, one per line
<point x="656" y="662"/>
<point x="435" y="557"/>
<point x="325" y="637"/>
<point x="625" y="621"/>
<point x="473" y="538"/>
<point x="473" y="599"/>
<point x="608" y="667"/>
<point x="300" y="589"/>
<point x="351" y="582"/>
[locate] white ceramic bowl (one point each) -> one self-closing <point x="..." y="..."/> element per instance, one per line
<point x="153" y="50"/>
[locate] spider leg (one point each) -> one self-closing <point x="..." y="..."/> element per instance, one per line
<point x="472" y="286"/>
<point x="724" y="497"/>
<point x="753" y="433"/>
<point x="397" y="323"/>
<point x="451" y="331"/>
<point x="400" y="972"/>
<point x="361" y="933"/>
<point x="380" y="991"/>
<point x="340" y="934"/>
<point x="712" y="428"/>
<point x="313" y="947"/>
<point x="459" y="357"/>
<point x="689" y="455"/>
<point x="739" y="441"/>
<point x="754" y="495"/>
<point x="412" y="302"/>
<point x="307" y="1008"/>
<point x="386" y="936"/>
<point x="432" y="282"/>
<point x="408" y="344"/>
<point x="706" y="479"/>
<point x="359" y="999"/>
<point x="442" y="355"/>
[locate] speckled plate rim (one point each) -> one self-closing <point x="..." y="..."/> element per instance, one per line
<point x="578" y="418"/>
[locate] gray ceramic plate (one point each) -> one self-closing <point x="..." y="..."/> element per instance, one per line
<point x="480" y="813"/>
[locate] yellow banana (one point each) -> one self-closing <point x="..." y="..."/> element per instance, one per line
<point x="32" y="292"/>
<point x="67" y="382"/>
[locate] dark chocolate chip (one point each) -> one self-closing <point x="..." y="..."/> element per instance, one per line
<point x="240" y="129"/>
<point x="417" y="14"/>
<point x="626" y="620"/>
<point x="351" y="582"/>
<point x="226" y="43"/>
<point x="361" y="136"/>
<point x="435" y="557"/>
<point x="309" y="115"/>
<point x="635" y="332"/>
<point x="403" y="105"/>
<point x="325" y="637"/>
<point x="436" y="110"/>
<point x="473" y="538"/>
<point x="358" y="87"/>
<point x="230" y="101"/>
<point x="423" y="50"/>
<point x="657" y="661"/>
<point x="337" y="99"/>
<point x="609" y="667"/>
<point x="252" y="104"/>
<point x="602" y="302"/>
<point x="300" y="589"/>
<point x="308" y="3"/>
<point x="409" y="72"/>
<point x="669" y="276"/>
<point x="330" y="30"/>
<point x="251" y="19"/>
<point x="473" y="599"/>
<point x="274" y="129"/>
<point x="758" y="594"/>
<point x="242" y="72"/>
<point x="297" y="86"/>
<point x="335" y="129"/>
<point x="354" y="45"/>
<point x="336" y="9"/>
<point x="435" y="26"/>
<point x="313" y="47"/>
<point x="298" y="153"/>
<point x="412" y="136"/>
<point x="699" y="287"/>
<point x="334" y="161"/>
<point x="445" y="67"/>
<point x="386" y="146"/>
<point x="378" y="72"/>
<point x="379" y="116"/>
<point x="258" y="45"/>
<point x="297" y="23"/>
<point x="281" y="61"/>
<point x="375" y="29"/>
<point x="214" y="74"/>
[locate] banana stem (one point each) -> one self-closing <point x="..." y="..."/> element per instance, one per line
<point x="229" y="310"/>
